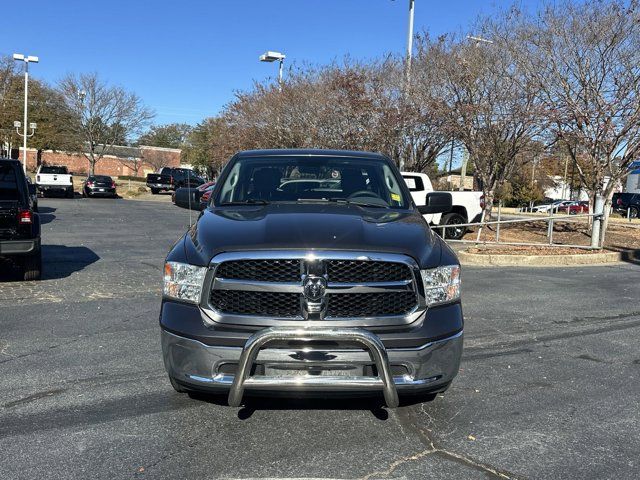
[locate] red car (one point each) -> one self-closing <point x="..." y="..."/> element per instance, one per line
<point x="575" y="208"/>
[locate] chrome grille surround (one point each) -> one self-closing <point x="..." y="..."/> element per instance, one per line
<point x="314" y="265"/>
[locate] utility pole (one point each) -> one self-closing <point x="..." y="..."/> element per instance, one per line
<point x="408" y="62"/>
<point x="26" y="59"/>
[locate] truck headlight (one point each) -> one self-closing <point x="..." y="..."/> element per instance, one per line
<point x="183" y="281"/>
<point x="441" y="284"/>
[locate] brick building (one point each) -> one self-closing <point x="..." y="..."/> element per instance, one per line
<point x="120" y="161"/>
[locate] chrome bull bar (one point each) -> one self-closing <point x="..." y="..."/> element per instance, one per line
<point x="368" y="340"/>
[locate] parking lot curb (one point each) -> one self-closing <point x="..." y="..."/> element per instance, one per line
<point x="502" y="260"/>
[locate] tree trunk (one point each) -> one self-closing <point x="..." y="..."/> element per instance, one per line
<point x="489" y="196"/>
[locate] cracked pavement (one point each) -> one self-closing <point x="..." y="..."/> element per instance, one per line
<point x="548" y="388"/>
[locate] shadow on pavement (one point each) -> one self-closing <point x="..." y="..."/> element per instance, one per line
<point x="60" y="261"/>
<point x="46" y="214"/>
<point x="254" y="403"/>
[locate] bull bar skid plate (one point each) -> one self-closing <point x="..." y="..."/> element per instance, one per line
<point x="368" y="340"/>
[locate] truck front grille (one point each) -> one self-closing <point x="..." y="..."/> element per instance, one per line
<point x="358" y="271"/>
<point x="276" y="270"/>
<point x="370" y="304"/>
<point x="267" y="304"/>
<point x="274" y="288"/>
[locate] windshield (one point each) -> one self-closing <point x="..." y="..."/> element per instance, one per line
<point x="8" y="183"/>
<point x="54" y="170"/>
<point x="362" y="181"/>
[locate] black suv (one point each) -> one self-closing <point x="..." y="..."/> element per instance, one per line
<point x="626" y="204"/>
<point x="19" y="224"/>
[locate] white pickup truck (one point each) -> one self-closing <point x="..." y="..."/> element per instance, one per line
<point x="467" y="206"/>
<point x="51" y="178"/>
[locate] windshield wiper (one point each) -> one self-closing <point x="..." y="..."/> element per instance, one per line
<point x="252" y="201"/>
<point x="360" y="204"/>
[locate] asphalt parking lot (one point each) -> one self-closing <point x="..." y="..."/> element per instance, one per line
<point x="549" y="384"/>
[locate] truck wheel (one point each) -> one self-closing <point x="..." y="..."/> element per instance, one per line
<point x="176" y="386"/>
<point x="32" y="267"/>
<point x="69" y="193"/>
<point x="154" y="191"/>
<point x="633" y="212"/>
<point x="453" y="233"/>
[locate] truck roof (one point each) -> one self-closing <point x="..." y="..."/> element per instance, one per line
<point x="281" y="152"/>
<point x="10" y="160"/>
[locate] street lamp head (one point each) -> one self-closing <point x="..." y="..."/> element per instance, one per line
<point x="18" y="56"/>
<point x="33" y="125"/>
<point x="17" y="124"/>
<point x="32" y="59"/>
<point x="272" y="56"/>
<point x="479" y="40"/>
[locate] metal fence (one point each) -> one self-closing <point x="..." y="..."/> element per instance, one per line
<point x="596" y="224"/>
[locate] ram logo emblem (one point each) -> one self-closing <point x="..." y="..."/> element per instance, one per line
<point x="314" y="288"/>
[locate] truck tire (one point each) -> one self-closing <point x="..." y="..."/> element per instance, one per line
<point x="154" y="191"/>
<point x="454" y="233"/>
<point x="69" y="193"/>
<point x="633" y="212"/>
<point x="32" y="267"/>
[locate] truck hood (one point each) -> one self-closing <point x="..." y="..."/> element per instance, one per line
<point x="311" y="227"/>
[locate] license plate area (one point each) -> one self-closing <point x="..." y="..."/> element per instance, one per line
<point x="313" y="371"/>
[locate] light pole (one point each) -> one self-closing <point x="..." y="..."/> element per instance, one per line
<point x="410" y="39"/>
<point x="26" y="59"/>
<point x="270" y="57"/>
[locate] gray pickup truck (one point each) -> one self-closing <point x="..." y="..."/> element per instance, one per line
<point x="331" y="286"/>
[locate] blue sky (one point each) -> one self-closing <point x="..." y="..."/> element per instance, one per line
<point x="185" y="58"/>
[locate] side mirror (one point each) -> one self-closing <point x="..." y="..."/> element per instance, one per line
<point x="437" y="202"/>
<point x="32" y="188"/>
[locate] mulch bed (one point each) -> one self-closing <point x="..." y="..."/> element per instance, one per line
<point x="528" y="250"/>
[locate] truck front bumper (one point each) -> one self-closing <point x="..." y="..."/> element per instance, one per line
<point x="428" y="368"/>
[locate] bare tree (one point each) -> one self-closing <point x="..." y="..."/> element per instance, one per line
<point x="586" y="59"/>
<point x="105" y="115"/>
<point x="133" y="163"/>
<point x="494" y="109"/>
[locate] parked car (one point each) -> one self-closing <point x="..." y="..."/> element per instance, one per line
<point x="54" y="179"/>
<point x="99" y="186"/>
<point x="626" y="204"/>
<point x="555" y="205"/>
<point x="19" y="223"/>
<point x="466" y="206"/>
<point x="169" y="178"/>
<point x="346" y="290"/>
<point x="575" y="208"/>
